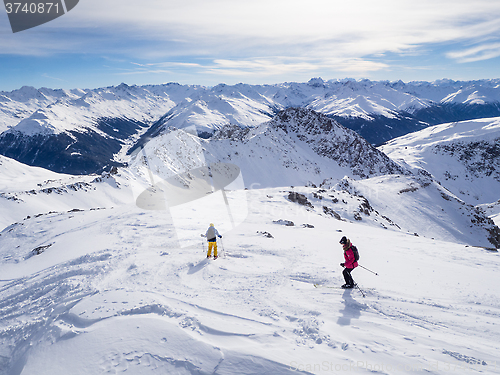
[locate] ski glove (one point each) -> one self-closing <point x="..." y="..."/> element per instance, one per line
<point x="342" y="264"/>
<point x="220" y="236"/>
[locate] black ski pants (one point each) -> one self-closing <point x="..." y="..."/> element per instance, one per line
<point x="347" y="276"/>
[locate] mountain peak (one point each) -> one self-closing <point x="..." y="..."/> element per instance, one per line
<point x="316" y="82"/>
<point x="331" y="140"/>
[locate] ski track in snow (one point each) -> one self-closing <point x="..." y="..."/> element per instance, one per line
<point x="116" y="293"/>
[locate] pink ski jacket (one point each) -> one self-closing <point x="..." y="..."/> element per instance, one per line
<point x="349" y="258"/>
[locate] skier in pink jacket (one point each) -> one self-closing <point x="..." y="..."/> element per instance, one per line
<point x="349" y="264"/>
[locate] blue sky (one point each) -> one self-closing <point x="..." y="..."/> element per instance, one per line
<point x="102" y="43"/>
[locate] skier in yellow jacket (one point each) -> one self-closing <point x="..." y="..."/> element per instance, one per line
<point x="212" y="235"/>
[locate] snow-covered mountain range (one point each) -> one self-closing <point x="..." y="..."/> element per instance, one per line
<point x="81" y="131"/>
<point x="107" y="272"/>
<point x="311" y="146"/>
<point x="93" y="129"/>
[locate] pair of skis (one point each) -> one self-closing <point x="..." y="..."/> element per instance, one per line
<point x="356" y="286"/>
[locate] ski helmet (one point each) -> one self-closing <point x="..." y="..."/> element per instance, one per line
<point x="343" y="240"/>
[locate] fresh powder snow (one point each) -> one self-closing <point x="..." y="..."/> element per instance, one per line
<point x="113" y="291"/>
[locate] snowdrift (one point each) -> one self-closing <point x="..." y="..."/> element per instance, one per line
<point x="114" y="292"/>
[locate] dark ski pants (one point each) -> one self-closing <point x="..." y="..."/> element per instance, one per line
<point x="347" y="276"/>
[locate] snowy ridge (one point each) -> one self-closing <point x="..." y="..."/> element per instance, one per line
<point x="247" y="105"/>
<point x="297" y="147"/>
<point x="492" y="210"/>
<point x="65" y="110"/>
<point x="17" y="176"/>
<point x="463" y="156"/>
<point x="422" y="207"/>
<point x="30" y="192"/>
<point x="89" y="133"/>
<point x="142" y="104"/>
<point x="242" y="104"/>
<point x="218" y="108"/>
<point x="365" y="98"/>
<point x="329" y="139"/>
<point x="20" y="104"/>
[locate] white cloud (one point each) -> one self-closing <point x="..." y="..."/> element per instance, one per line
<point x="276" y="67"/>
<point x="478" y="53"/>
<point x="259" y="67"/>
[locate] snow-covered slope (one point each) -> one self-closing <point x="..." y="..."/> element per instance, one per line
<point x="493" y="211"/>
<point x="446" y="90"/>
<point x="30" y="192"/>
<point x="17" y="176"/>
<point x="20" y="104"/>
<point x="242" y="105"/>
<point x="29" y="110"/>
<point x="112" y="291"/>
<point x="141" y="104"/>
<point x="246" y="105"/>
<point x="356" y="102"/>
<point x="422" y="207"/>
<point x="298" y="147"/>
<point x="463" y="156"/>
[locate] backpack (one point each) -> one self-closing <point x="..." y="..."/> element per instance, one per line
<point x="355" y="252"/>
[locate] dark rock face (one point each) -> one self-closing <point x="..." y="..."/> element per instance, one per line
<point x="71" y="152"/>
<point x="299" y="198"/>
<point x="481" y="158"/>
<point x="329" y="139"/>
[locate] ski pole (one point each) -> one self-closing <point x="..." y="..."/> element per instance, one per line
<point x="363" y="294"/>
<point x="368" y="269"/>
<point x="222" y="246"/>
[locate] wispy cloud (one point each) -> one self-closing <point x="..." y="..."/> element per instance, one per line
<point x="478" y="53"/>
<point x="276" y="66"/>
<point x="45" y="75"/>
<point x="166" y="64"/>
